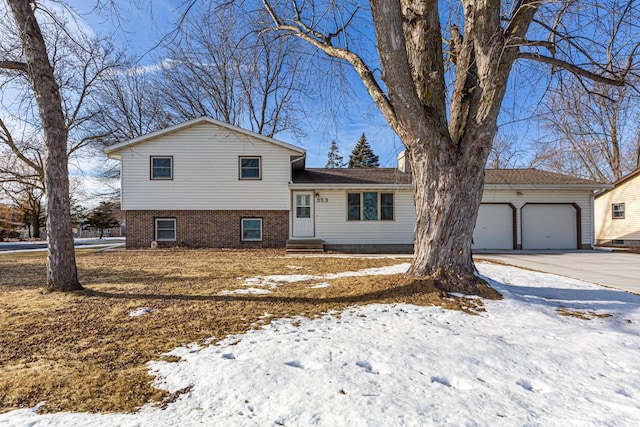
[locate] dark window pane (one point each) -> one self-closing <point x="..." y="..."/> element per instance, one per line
<point x="370" y="206"/>
<point x="353" y="210"/>
<point x="303" y="212"/>
<point x="250" y="163"/>
<point x="162" y="162"/>
<point x="166" y="234"/>
<point x="386" y="206"/>
<point x="164" y="224"/>
<point x="251" y="173"/>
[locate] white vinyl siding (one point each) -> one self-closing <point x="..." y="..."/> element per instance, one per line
<point x="205" y="172"/>
<point x="581" y="198"/>
<point x="333" y="226"/>
<point x="627" y="228"/>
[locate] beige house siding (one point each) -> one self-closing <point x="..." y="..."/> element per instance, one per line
<point x="332" y="226"/>
<point x="205" y="172"/>
<point x="521" y="197"/>
<point x="627" y="228"/>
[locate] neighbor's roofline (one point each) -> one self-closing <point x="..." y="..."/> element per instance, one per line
<point x="621" y="181"/>
<point x="204" y="119"/>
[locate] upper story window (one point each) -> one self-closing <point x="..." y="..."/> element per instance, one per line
<point x="250" y="168"/>
<point x="161" y="167"/>
<point x="370" y="206"/>
<point x="617" y="210"/>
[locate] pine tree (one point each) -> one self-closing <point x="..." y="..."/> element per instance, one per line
<point x="362" y="155"/>
<point x="336" y="160"/>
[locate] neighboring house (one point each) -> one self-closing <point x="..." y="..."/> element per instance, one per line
<point x="204" y="183"/>
<point x="617" y="213"/>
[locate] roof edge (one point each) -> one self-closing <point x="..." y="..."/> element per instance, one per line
<point x="109" y="151"/>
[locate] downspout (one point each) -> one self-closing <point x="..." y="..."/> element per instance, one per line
<point x="594" y="193"/>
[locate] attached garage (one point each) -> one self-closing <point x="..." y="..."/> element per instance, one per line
<point x="495" y="227"/>
<point x="550" y="226"/>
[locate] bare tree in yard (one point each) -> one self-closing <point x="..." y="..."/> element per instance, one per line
<point x="448" y="120"/>
<point x="220" y="68"/>
<point x="58" y="117"/>
<point x="505" y="153"/>
<point x="595" y="132"/>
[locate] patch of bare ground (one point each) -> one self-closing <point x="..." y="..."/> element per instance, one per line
<point x="82" y="351"/>
<point x="582" y="314"/>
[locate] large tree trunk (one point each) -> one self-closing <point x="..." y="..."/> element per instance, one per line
<point x="448" y="184"/>
<point x="61" y="261"/>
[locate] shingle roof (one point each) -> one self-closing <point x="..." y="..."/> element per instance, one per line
<point x="394" y="176"/>
<point x="531" y="176"/>
<point x="352" y="176"/>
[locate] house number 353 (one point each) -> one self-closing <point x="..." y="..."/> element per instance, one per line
<point x="322" y="200"/>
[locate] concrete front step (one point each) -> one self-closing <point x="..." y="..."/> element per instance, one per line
<point x="305" y="245"/>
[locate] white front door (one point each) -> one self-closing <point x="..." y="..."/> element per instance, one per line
<point x="302" y="214"/>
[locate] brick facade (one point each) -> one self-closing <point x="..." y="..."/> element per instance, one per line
<point x="208" y="229"/>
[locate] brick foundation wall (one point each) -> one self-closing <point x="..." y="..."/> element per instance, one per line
<point x="208" y="229"/>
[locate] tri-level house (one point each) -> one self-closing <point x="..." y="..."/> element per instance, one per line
<point x="204" y="183"/>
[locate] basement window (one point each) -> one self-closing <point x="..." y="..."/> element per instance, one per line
<point x="251" y="229"/>
<point x="165" y="229"/>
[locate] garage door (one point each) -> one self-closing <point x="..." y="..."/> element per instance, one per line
<point x="549" y="227"/>
<point x="494" y="227"/>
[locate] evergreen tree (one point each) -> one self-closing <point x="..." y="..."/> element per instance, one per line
<point x="103" y="217"/>
<point x="335" y="158"/>
<point x="362" y="155"/>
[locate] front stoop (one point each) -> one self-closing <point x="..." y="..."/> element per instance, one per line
<point x="297" y="246"/>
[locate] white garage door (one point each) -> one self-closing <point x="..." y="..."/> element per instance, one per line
<point x="549" y="227"/>
<point x="494" y="227"/>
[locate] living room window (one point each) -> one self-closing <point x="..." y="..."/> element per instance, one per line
<point x="370" y="206"/>
<point x="251" y="229"/>
<point x="165" y="229"/>
<point x="617" y="211"/>
<point x="250" y="168"/>
<point x="161" y="167"/>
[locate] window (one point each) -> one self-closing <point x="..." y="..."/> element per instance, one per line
<point x="303" y="206"/>
<point x="251" y="229"/>
<point x="161" y="167"/>
<point x="617" y="210"/>
<point x="370" y="206"/>
<point x="250" y="168"/>
<point x="353" y="209"/>
<point x="165" y="229"/>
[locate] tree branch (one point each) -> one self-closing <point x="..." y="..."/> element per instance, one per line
<point x="14" y="65"/>
<point x="572" y="68"/>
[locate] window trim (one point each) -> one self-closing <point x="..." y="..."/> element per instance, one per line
<point x="613" y="211"/>
<point x="259" y="177"/>
<point x="175" y="230"/>
<point x="242" y="220"/>
<point x="379" y="203"/>
<point x="151" y="158"/>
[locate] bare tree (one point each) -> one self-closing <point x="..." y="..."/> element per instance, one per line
<point x="220" y="67"/>
<point x="595" y="131"/>
<point x="505" y="153"/>
<point x="448" y="145"/>
<point x="48" y="67"/>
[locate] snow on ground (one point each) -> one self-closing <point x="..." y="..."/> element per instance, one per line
<point x="518" y="363"/>
<point x="274" y="281"/>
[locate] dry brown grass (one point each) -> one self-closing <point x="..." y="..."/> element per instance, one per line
<point x="83" y="352"/>
<point x="581" y="314"/>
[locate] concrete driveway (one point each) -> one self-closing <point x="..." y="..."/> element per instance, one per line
<point x="615" y="269"/>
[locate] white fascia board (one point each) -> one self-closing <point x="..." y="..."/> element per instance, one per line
<point x="111" y="151"/>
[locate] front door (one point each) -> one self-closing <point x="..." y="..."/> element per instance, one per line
<point x="303" y="214"/>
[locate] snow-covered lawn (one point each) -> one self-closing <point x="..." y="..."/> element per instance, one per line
<point x="518" y="363"/>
